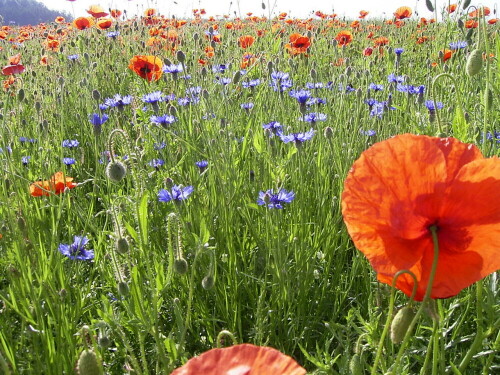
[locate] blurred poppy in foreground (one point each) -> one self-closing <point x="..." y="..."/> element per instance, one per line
<point x="96" y="11"/>
<point x="14" y="67"/>
<point x="147" y="67"/>
<point x="402" y="13"/>
<point x="244" y="359"/>
<point x="399" y="188"/>
<point x="56" y="184"/>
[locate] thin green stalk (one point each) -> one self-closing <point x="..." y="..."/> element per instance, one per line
<point x="426" y="298"/>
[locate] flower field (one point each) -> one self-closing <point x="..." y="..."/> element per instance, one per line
<point x="323" y="190"/>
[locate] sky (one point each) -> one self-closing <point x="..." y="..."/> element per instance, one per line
<point x="295" y="8"/>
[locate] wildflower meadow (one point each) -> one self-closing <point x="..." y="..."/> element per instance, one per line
<point x="251" y="195"/>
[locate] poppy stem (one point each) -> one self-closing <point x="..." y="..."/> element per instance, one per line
<point x="433" y="229"/>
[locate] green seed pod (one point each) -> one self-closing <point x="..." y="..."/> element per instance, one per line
<point x="88" y="364"/>
<point x="208" y="282"/>
<point x="460" y="23"/>
<point x="20" y="95"/>
<point x="180" y="266"/>
<point x="96" y="94"/>
<point x="236" y="77"/>
<point x="328" y="132"/>
<point x="314" y="74"/>
<point x="104" y="342"/>
<point x="466" y="4"/>
<point x="474" y="62"/>
<point x="122" y="246"/>
<point x="263" y="5"/>
<point x="123" y="289"/>
<point x="429" y="5"/>
<point x="116" y="171"/>
<point x="400" y="324"/>
<point x="355" y="367"/>
<point x="181" y="56"/>
<point x="488" y="98"/>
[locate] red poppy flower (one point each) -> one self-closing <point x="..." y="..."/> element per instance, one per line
<point x="246" y="41"/>
<point x="104" y="23"/>
<point x="82" y="23"/>
<point x="60" y="19"/>
<point x="96" y="11"/>
<point x="451" y="8"/>
<point x="402" y="13"/>
<point x="344" y="37"/>
<point x="244" y="359"/>
<point x="298" y="44"/>
<point x="56" y="184"/>
<point x="115" y="13"/>
<point x="401" y="187"/>
<point x="363" y="14"/>
<point x="13" y="69"/>
<point x="381" y="41"/>
<point x="480" y="12"/>
<point x="147" y="67"/>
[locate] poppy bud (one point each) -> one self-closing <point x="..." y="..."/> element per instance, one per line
<point x="314" y="74"/>
<point x="196" y="36"/>
<point x="400" y="324"/>
<point x="96" y="94"/>
<point x="20" y="95"/>
<point x="181" y="56"/>
<point x="474" y="63"/>
<point x="104" y="342"/>
<point x="236" y="77"/>
<point x="328" y="132"/>
<point x="488" y="98"/>
<point x="466" y="4"/>
<point x="116" y="171"/>
<point x="38" y="106"/>
<point x="123" y="289"/>
<point x="122" y="246"/>
<point x="88" y="364"/>
<point x="429" y="5"/>
<point x="263" y="5"/>
<point x="180" y="266"/>
<point x="460" y="23"/>
<point x="355" y="367"/>
<point x="208" y="282"/>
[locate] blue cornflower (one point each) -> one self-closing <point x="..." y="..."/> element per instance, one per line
<point x="97" y="120"/>
<point x="298" y="138"/>
<point x="495" y="136"/>
<point x="458" y="45"/>
<point x="194" y="91"/>
<point x="246" y="106"/>
<point x="301" y="95"/>
<point x="209" y="116"/>
<point x="410" y="89"/>
<point x="202" y="164"/>
<point x="251" y="83"/>
<point x="70" y="143"/>
<point x="368" y="133"/>
<point x="371" y="102"/>
<point x="394" y="78"/>
<point x="223" y="81"/>
<point x="315" y="101"/>
<point x="211" y="33"/>
<point x="431" y="107"/>
<point x="113" y="34"/>
<point x="274" y="127"/>
<point x="188" y="100"/>
<point x="178" y="193"/>
<point x="186" y="76"/>
<point x="219" y="68"/>
<point x="279" y="76"/>
<point x="29" y="140"/>
<point x="156" y="163"/>
<point x="153" y="98"/>
<point x="172" y="68"/>
<point x="375" y="87"/>
<point x="69" y="161"/>
<point x="315" y="85"/>
<point x="398" y="51"/>
<point x="159" y="146"/>
<point x="377" y="109"/>
<point x="281" y="85"/>
<point x="25" y="160"/>
<point x="73" y="57"/>
<point x="118" y="101"/>
<point x="164" y="120"/>
<point x="77" y="249"/>
<point x="275" y="200"/>
<point x="314" y="117"/>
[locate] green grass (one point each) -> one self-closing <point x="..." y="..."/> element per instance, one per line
<point x="290" y="278"/>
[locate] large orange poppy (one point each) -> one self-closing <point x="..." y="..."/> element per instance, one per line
<point x="246" y="41"/>
<point x="401" y="187"/>
<point x="56" y="184"/>
<point x="96" y="11"/>
<point x="298" y="44"/>
<point x="402" y="13"/>
<point x="241" y="359"/>
<point x="344" y="37"/>
<point x="147" y="67"/>
<point x="82" y="23"/>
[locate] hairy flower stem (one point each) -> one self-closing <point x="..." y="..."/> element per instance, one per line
<point x="459" y="101"/>
<point x="389" y="315"/>
<point x="426" y="299"/>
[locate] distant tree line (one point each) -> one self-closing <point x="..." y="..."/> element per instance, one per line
<point x="27" y="12"/>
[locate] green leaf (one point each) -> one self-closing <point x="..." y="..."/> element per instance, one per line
<point x="143" y="218"/>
